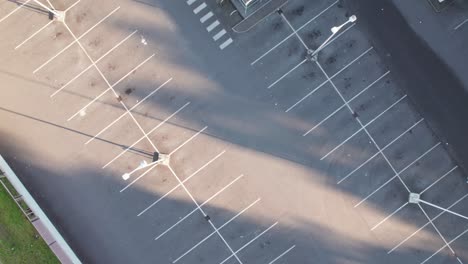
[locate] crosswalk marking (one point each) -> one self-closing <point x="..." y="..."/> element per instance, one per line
<point x="206" y="17"/>
<point x="199" y="8"/>
<point x="225" y="43"/>
<point x="190" y="2"/>
<point x="219" y="34"/>
<point x="212" y="26"/>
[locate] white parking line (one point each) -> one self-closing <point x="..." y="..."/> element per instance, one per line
<point x="461" y="24"/>
<point x="390" y="215"/>
<point x="219" y="34"/>
<point x="212" y="26"/>
<point x="76" y="40"/>
<point x="292" y="34"/>
<point x="199" y="207"/>
<point x="214" y="232"/>
<point x="443" y="176"/>
<point x="124" y="114"/>
<point x="190" y="2"/>
<point x="422" y="227"/>
<point x="443" y="209"/>
<point x="225" y="43"/>
<point x="33" y="35"/>
<point x="188" y="140"/>
<point x="435" y="228"/>
<point x="206" y="17"/>
<point x="139" y="177"/>
<point x="184" y="181"/>
<point x="376" y="154"/>
<point x="344" y="105"/>
<point x="333" y="76"/>
<point x="143" y="137"/>
<point x="194" y="210"/>
<point x="199" y="8"/>
<point x="396" y="174"/>
<point x="250" y="242"/>
<point x="286" y="74"/>
<point x="282" y="254"/>
<point x="15" y="10"/>
<point x="294" y="30"/>
<point x="448" y="244"/>
<point x="362" y="128"/>
<point x="90" y="66"/>
<point x="110" y="88"/>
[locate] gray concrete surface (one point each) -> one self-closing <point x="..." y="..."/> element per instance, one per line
<point x="251" y="158"/>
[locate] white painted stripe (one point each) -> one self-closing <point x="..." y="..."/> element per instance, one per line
<point x="225" y="44"/>
<point x="438" y="180"/>
<point x="214" y="232"/>
<point x="219" y="34"/>
<point x="422" y="227"/>
<point x="35" y="33"/>
<point x="124" y="114"/>
<point x="15" y="10"/>
<point x="194" y="210"/>
<point x="386" y="146"/>
<point x="461" y="24"/>
<point x="190" y="2"/>
<point x="250" y="242"/>
<point x="390" y="215"/>
<point x="199" y="8"/>
<point x="292" y="34"/>
<point x="188" y="140"/>
<point x="206" y="17"/>
<point x="397" y="174"/>
<point x="180" y="184"/>
<point x="282" y="254"/>
<point x="151" y="131"/>
<point x="286" y="74"/>
<point x="76" y="40"/>
<point x="362" y="128"/>
<point x="447" y="244"/>
<point x="91" y="65"/>
<point x="139" y="177"/>
<point x="212" y="26"/>
<point x="110" y="87"/>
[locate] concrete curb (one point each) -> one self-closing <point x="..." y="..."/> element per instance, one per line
<point x="43" y="225"/>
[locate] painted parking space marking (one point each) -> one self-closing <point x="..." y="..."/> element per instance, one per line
<point x="15" y="10"/>
<point x="219" y="34"/>
<point x="376" y="154"/>
<point x="90" y="66"/>
<point x="206" y="17"/>
<point x="343" y="105"/>
<point x="396" y="174"/>
<point x="131" y="109"/>
<point x="194" y="210"/>
<point x="143" y="137"/>
<point x="292" y="34"/>
<point x="111" y="87"/>
<point x="461" y="24"/>
<point x="225" y="43"/>
<point x="190" y="2"/>
<point x="212" y="233"/>
<point x="199" y="8"/>
<point x="212" y="26"/>
<point x="76" y="41"/>
<point x="282" y="254"/>
<point x="362" y="128"/>
<point x="250" y="242"/>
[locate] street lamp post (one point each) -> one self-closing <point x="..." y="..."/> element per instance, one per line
<point x="312" y="54"/>
<point x="157" y="159"/>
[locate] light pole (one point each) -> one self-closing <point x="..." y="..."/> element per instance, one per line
<point x="57" y="14"/>
<point x="157" y="159"/>
<point x="313" y="54"/>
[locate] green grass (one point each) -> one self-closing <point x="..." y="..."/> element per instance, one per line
<point x="19" y="241"/>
